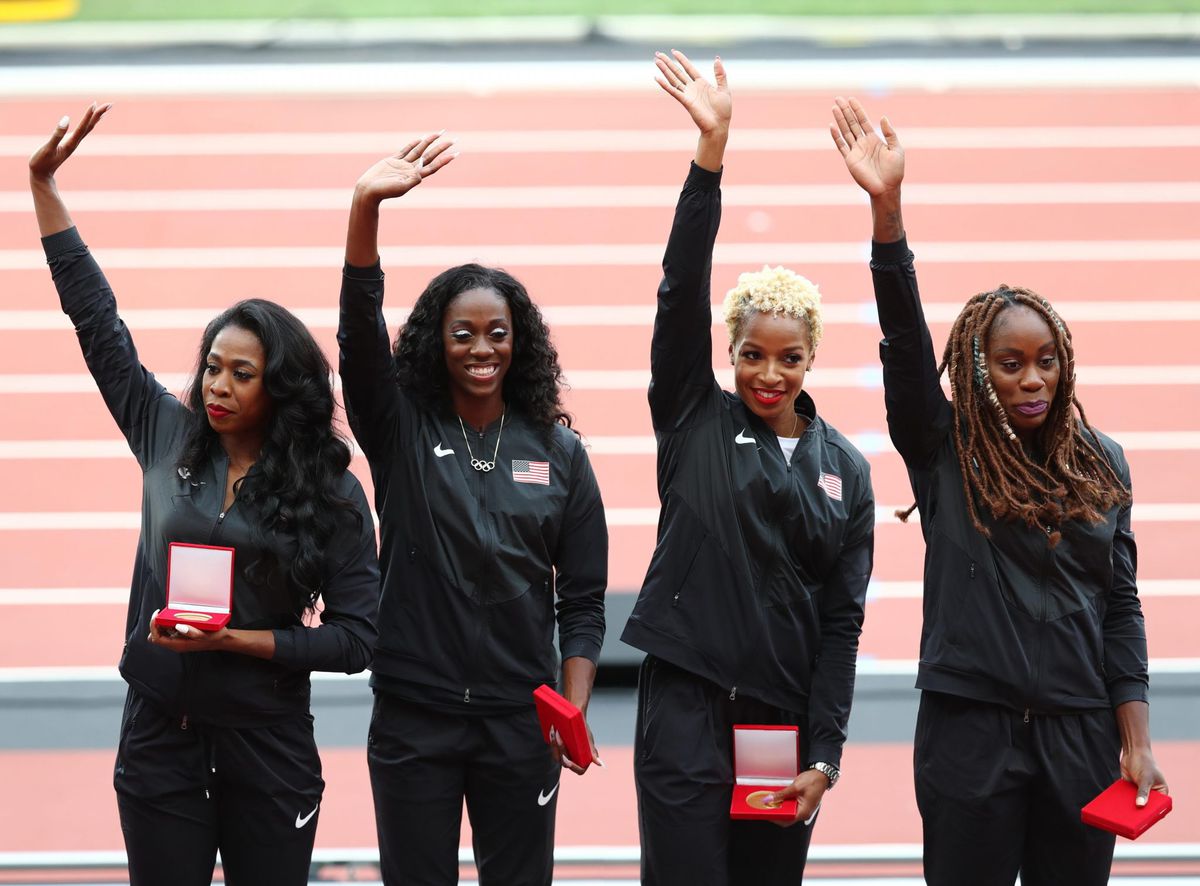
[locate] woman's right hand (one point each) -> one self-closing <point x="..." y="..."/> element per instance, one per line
<point x="54" y="153"/>
<point x="710" y="107"/>
<point x="398" y="174"/>
<point x="877" y="165"/>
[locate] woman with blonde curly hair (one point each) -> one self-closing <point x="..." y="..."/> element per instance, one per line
<point x="753" y="603"/>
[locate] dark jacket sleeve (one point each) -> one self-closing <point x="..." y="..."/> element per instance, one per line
<point x="145" y="412"/>
<point x="681" y="376"/>
<point x="374" y="405"/>
<point x="1126" y="668"/>
<point x="842" y="607"/>
<point x="918" y="414"/>
<point x="350" y="597"/>
<point x="581" y="564"/>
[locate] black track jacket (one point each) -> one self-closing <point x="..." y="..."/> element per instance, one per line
<point x="1008" y="620"/>
<point x="219" y="688"/>
<point x="759" y="577"/>
<point x="472" y="563"/>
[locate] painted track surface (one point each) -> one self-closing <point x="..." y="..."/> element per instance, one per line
<point x="605" y="259"/>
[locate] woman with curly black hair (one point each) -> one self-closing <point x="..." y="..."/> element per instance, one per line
<point x="491" y="526"/>
<point x="216" y="749"/>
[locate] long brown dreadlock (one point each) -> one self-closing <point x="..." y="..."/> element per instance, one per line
<point x="1075" y="482"/>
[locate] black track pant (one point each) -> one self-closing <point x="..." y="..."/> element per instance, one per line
<point x="683" y="767"/>
<point x="999" y="795"/>
<point x="185" y="793"/>
<point x="424" y="763"/>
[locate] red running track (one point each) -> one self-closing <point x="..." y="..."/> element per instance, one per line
<point x="875" y="805"/>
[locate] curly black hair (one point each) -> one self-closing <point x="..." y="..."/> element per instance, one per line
<point x="533" y="384"/>
<point x="293" y="485"/>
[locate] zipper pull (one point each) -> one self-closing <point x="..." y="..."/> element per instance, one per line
<point x="183" y="723"/>
<point x="733" y="694"/>
<point x="1027" y="716"/>
<point x="467" y="696"/>
<point x="220" y="516"/>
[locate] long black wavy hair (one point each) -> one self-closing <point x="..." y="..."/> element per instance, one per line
<point x="533" y="384"/>
<point x="293" y="485"/>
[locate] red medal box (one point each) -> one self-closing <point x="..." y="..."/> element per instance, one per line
<point x="199" y="587"/>
<point x="765" y="760"/>
<point x="1115" y="810"/>
<point x="555" y="711"/>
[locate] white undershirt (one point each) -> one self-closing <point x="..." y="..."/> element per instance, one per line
<point x="788" y="445"/>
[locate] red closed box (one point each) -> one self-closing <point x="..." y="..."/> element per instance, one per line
<point x="765" y="759"/>
<point x="555" y="711"/>
<point x="1115" y="810"/>
<point x="199" y="587"/>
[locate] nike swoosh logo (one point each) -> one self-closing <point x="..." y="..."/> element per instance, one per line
<point x="544" y="798"/>
<point x="742" y="438"/>
<point x="301" y="821"/>
<point x="440" y="452"/>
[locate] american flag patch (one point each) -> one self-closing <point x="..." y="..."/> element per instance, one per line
<point x="531" y="472"/>
<point x="832" y="484"/>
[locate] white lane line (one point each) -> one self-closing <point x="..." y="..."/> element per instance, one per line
<point x="489" y="78"/>
<point x="864" y="377"/>
<point x="914" y="590"/>
<point x="622" y="254"/>
<point x="589" y="316"/>
<point x="625" y="142"/>
<point x="53" y="521"/>
<point x="620" y="196"/>
<point x="866" y="666"/>
<point x="870" y="443"/>
<point x="879" y="590"/>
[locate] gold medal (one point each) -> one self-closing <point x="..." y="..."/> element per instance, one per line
<point x="758" y="800"/>
<point x="192" y="616"/>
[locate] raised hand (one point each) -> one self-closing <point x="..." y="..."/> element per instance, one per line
<point x="710" y="106"/>
<point x="401" y="172"/>
<point x="876" y="164"/>
<point x="45" y="161"/>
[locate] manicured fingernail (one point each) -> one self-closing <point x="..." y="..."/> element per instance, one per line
<point x="599" y="762"/>
<point x="769" y="800"/>
<point x="183" y="629"/>
<point x="64" y="122"/>
<point x="1141" y="801"/>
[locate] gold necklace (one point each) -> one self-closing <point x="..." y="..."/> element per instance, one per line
<point x="478" y="463"/>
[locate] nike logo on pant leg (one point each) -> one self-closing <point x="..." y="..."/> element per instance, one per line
<point x="544" y="798"/>
<point x="302" y="820"/>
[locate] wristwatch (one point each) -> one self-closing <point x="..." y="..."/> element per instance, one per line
<point x="829" y="771"/>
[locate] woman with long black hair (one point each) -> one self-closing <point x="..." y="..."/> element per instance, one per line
<point x="492" y="530"/>
<point x="1033" y="671"/>
<point x="216" y="749"/>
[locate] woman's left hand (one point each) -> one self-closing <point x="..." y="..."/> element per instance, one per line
<point x="558" y="749"/>
<point x="185" y="638"/>
<point x="1138" y="766"/>
<point x="806" y="789"/>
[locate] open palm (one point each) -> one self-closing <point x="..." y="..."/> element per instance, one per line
<point x="711" y="106"/>
<point x="877" y="164"/>
<point x="401" y="172"/>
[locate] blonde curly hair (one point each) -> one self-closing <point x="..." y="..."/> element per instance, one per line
<point x="773" y="291"/>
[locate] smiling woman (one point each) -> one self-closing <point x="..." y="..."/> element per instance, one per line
<point x="751" y="609"/>
<point x="493" y="531"/>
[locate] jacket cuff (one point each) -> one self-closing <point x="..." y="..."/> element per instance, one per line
<point x="1129" y="689"/>
<point x="580" y="648"/>
<point x="702" y="178"/>
<point x="823" y="753"/>
<point x="373" y="272"/>
<point x="895" y="253"/>
<point x="64" y="241"/>
<point x="285" y="647"/>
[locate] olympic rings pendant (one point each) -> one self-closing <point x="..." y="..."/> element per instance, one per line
<point x="480" y="465"/>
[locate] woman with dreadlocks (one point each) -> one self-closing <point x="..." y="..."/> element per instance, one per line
<point x="1033" y="671"/>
